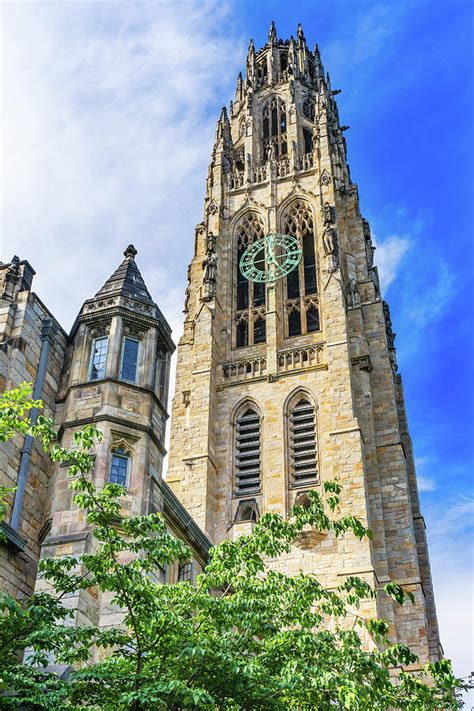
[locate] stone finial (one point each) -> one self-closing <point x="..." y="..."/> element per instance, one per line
<point x="272" y="35"/>
<point x="130" y="252"/>
<point x="300" y="33"/>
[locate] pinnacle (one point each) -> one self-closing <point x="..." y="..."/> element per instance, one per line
<point x="130" y="252"/>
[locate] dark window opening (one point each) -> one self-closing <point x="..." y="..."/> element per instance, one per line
<point x="283" y="61"/>
<point x="274" y="122"/>
<point x="185" y="572"/>
<point x="312" y="319"/>
<point x="294" y="323"/>
<point x="258" y="294"/>
<point x="293" y="284"/>
<point x="266" y="127"/>
<point x="308" y="140"/>
<point x="309" y="264"/>
<point x="242" y="284"/>
<point x="242" y="334"/>
<point x="259" y="331"/>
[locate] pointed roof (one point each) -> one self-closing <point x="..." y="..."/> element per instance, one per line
<point x="127" y="280"/>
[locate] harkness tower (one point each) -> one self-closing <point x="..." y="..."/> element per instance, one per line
<point x="286" y="380"/>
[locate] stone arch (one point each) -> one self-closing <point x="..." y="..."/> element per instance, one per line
<point x="247" y="448"/>
<point x="297" y="218"/>
<point x="301" y="438"/>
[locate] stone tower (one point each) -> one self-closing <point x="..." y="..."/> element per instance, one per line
<point x="115" y="377"/>
<point x="281" y="387"/>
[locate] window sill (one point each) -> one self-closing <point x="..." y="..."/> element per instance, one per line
<point x="14" y="540"/>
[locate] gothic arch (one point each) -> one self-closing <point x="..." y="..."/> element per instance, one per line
<point x="246" y="448"/>
<point x="248" y="298"/>
<point x="301" y="439"/>
<point x="297" y="218"/>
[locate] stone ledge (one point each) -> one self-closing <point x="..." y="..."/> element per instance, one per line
<point x="14" y="540"/>
<point x="66" y="538"/>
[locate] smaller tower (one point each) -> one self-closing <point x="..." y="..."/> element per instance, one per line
<point x="115" y="377"/>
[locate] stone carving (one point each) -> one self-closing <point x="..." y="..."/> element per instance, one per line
<point x="388" y="326"/>
<point x="186" y="398"/>
<point x="353" y="292"/>
<point x="374" y="275"/>
<point x="369" y="247"/>
<point x="330" y="241"/>
<point x="11" y="278"/>
<point x="363" y="362"/>
<point x="187" y="293"/>
<point x="328" y="213"/>
<point x="213" y="207"/>
<point x="325" y="178"/>
<point x="133" y="331"/>
<point x="101" y="329"/>
<point x="209" y="266"/>
<point x="270" y="152"/>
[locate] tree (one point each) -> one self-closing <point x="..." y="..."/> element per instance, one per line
<point x="244" y="637"/>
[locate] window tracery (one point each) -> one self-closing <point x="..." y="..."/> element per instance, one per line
<point x="302" y="304"/>
<point x="249" y="299"/>
<point x="275" y="140"/>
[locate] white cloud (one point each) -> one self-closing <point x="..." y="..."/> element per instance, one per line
<point x="390" y="253"/>
<point x="108" y="121"/>
<point x="437" y="294"/>
<point x="426" y="484"/>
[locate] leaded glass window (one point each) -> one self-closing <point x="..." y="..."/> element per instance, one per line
<point x="250" y="296"/>
<point x="128" y="370"/>
<point x="302" y="307"/>
<point x="119" y="467"/>
<point x="98" y="358"/>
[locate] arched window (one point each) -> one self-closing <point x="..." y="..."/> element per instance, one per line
<point x="249" y="300"/>
<point x="247" y="451"/>
<point x="302" y="442"/>
<point x="274" y="128"/>
<point x="302" y="306"/>
<point x="308" y="109"/>
<point x="247" y="510"/>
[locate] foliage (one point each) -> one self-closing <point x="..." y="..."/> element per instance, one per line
<point x="246" y="636"/>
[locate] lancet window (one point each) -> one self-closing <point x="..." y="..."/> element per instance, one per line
<point x="247" y="451"/>
<point x="249" y="303"/>
<point x="302" y="304"/>
<point x="302" y="442"/>
<point x="275" y="140"/>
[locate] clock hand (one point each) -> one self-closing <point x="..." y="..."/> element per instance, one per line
<point x="271" y="255"/>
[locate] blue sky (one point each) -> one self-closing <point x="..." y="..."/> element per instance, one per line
<point x="108" y="119"/>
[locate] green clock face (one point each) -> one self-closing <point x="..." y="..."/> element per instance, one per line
<point x="270" y="258"/>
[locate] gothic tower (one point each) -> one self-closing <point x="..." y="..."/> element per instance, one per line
<point x="282" y="386"/>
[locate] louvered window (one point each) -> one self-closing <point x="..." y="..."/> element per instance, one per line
<point x="247" y="455"/>
<point x="303" y="456"/>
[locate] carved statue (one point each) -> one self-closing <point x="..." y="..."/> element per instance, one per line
<point x="330" y="243"/>
<point x="270" y="152"/>
<point x="354" y="294"/>
<point x="187" y="293"/>
<point x="388" y="326"/>
<point x="210" y="273"/>
<point x="327" y="213"/>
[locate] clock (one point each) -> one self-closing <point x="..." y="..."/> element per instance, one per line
<point x="270" y="258"/>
